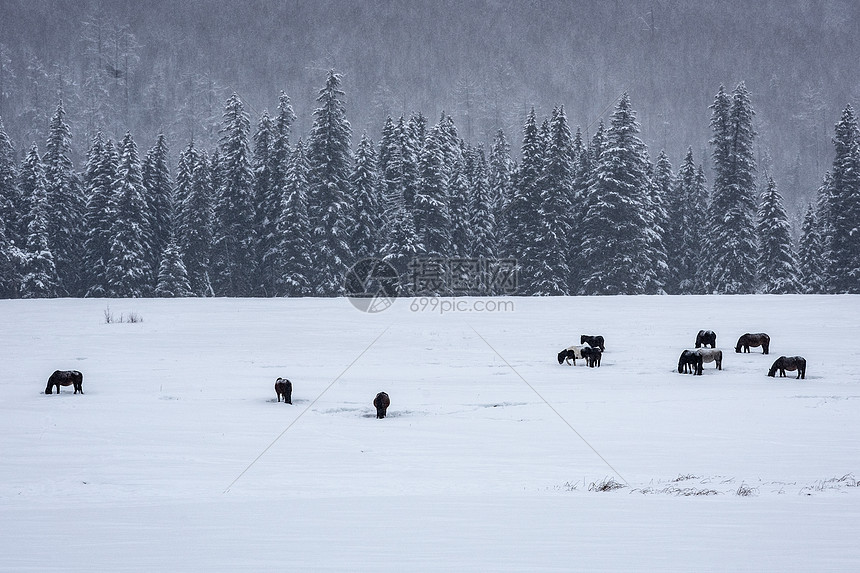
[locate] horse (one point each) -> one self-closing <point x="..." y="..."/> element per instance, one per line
<point x="711" y="355"/>
<point x="592" y="356"/>
<point x="65" y="378"/>
<point x="792" y="363"/>
<point x="381" y="403"/>
<point x="690" y="361"/>
<point x="570" y="353"/>
<point x="284" y="387"/>
<point x="747" y="340"/>
<point x="593" y="341"/>
<point x="705" y="338"/>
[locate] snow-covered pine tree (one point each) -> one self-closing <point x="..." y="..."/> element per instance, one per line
<point x="100" y="179"/>
<point x="523" y="215"/>
<point x="172" y="275"/>
<point x="811" y="261"/>
<point x="843" y="209"/>
<point x="194" y="230"/>
<point x="683" y="250"/>
<point x="418" y="128"/>
<point x="430" y="205"/>
<point x="330" y="160"/>
<point x="267" y="202"/>
<point x="66" y="205"/>
<point x="159" y="202"/>
<point x="127" y="271"/>
<point x="38" y="272"/>
<point x="662" y="181"/>
<point x="10" y="258"/>
<point x="233" y="258"/>
<point x="732" y="259"/>
<point x="614" y="237"/>
<point x="823" y="218"/>
<point x="548" y="267"/>
<point x="582" y="173"/>
<point x="700" y="230"/>
<point x="500" y="188"/>
<point x="295" y="265"/>
<point x="184" y="169"/>
<point x="387" y="158"/>
<point x="777" y="266"/>
<point x="401" y="245"/>
<point x="459" y="203"/>
<point x="365" y="227"/>
<point x="409" y="168"/>
<point x="11" y="205"/>
<point x="482" y="209"/>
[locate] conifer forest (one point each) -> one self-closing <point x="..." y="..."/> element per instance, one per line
<point x="150" y="155"/>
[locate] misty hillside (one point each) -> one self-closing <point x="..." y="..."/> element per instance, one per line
<point x="170" y="65"/>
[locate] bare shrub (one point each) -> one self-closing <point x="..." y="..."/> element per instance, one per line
<point x="746" y="491"/>
<point x="608" y="484"/>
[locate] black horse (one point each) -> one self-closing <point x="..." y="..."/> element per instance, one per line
<point x="690" y="361"/>
<point x="792" y="363"/>
<point x="65" y="378"/>
<point x="706" y="338"/>
<point x="284" y="387"/>
<point x="593" y="341"/>
<point x="592" y="356"/>
<point x="381" y="403"/>
<point x="747" y="340"/>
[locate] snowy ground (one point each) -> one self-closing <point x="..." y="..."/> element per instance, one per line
<point x="178" y="457"/>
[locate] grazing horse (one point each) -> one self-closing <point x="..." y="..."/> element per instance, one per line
<point x="284" y="387"/>
<point x="593" y="341"/>
<point x="792" y="363"/>
<point x="65" y="378"/>
<point x="747" y="340"/>
<point x="570" y="353"/>
<point x="592" y="356"/>
<point x="711" y="355"/>
<point x="690" y="361"/>
<point x="381" y="403"/>
<point x="705" y="338"/>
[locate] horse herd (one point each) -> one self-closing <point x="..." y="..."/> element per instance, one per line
<point x="591" y="349"/>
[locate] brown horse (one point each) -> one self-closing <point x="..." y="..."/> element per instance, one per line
<point x="65" y="378"/>
<point x="747" y="340"/>
<point x="381" y="403"/>
<point x="284" y="387"/>
<point x="791" y="364"/>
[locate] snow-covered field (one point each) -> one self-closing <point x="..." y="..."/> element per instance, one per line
<point x="178" y="458"/>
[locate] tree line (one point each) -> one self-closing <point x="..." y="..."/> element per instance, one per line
<point x="263" y="215"/>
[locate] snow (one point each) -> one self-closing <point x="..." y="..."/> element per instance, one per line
<point x="178" y="457"/>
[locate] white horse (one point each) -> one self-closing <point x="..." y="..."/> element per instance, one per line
<point x="711" y="355"/>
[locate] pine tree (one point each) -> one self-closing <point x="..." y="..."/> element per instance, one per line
<point x="66" y="205"/>
<point x="194" y="230"/>
<point x="548" y="267"/>
<point x="10" y="258"/>
<point x="682" y="236"/>
<point x="172" y="275"/>
<point x="159" y="202"/>
<point x="127" y="271"/>
<point x="401" y="244"/>
<point x="11" y="205"/>
<point x="843" y="208"/>
<point x="459" y="201"/>
<point x="410" y="149"/>
<point x="777" y="267"/>
<point x="482" y="211"/>
<point x="660" y="190"/>
<point x="500" y="188"/>
<point x="733" y="254"/>
<point x="233" y="262"/>
<point x="272" y="205"/>
<point x="365" y="228"/>
<point x="523" y="216"/>
<point x="38" y="272"/>
<point x="811" y="255"/>
<point x="430" y="203"/>
<point x="614" y="238"/>
<point x="184" y="168"/>
<point x="100" y="181"/>
<point x="267" y="200"/>
<point x="295" y="267"/>
<point x="330" y="158"/>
